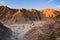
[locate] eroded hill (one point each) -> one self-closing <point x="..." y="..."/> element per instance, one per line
<point x="26" y="16"/>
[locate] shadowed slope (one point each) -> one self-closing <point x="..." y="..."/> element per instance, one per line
<point x="5" y="33"/>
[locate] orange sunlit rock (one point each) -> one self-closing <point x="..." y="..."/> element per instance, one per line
<point x="32" y="10"/>
<point x="17" y="13"/>
<point x="49" y="12"/>
<point x="58" y="10"/>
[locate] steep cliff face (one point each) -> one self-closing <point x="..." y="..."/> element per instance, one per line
<point x="8" y="15"/>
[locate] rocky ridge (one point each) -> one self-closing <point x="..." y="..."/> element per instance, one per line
<point x="8" y="15"/>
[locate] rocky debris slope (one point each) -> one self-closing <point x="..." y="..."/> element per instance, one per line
<point x="19" y="30"/>
<point x="25" y="32"/>
<point x="38" y="30"/>
<point x="46" y="32"/>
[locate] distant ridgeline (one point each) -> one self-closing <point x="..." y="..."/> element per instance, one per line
<point x="8" y="15"/>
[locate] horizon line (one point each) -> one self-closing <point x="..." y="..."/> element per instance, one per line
<point x="30" y="8"/>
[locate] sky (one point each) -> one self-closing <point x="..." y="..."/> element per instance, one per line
<point x="28" y="4"/>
